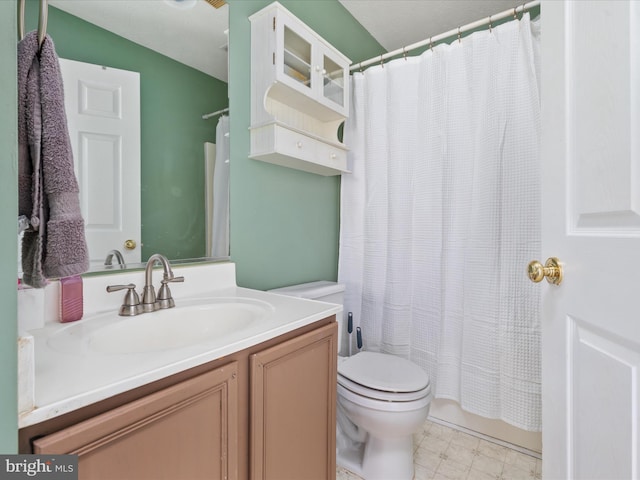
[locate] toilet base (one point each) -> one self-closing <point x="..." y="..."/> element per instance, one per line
<point x="351" y="458"/>
<point x="379" y="459"/>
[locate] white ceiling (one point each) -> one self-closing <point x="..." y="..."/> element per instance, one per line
<point x="398" y="23"/>
<point x="197" y="35"/>
<point x="194" y="36"/>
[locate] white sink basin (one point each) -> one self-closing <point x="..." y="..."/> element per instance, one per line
<point x="190" y="322"/>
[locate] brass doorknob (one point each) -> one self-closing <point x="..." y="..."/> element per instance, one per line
<point x="552" y="270"/>
<point x="130" y="244"/>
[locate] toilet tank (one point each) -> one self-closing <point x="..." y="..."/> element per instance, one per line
<point x="323" y="291"/>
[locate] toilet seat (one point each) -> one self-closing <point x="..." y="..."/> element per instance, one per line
<point x="346" y="395"/>
<point x="374" y="394"/>
<point x="384" y="377"/>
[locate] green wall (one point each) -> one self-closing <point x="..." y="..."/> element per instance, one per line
<point x="284" y="222"/>
<point x="8" y="236"/>
<point x="173" y="99"/>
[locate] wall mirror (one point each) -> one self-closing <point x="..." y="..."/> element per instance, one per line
<point x="179" y="48"/>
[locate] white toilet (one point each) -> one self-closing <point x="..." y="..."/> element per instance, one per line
<point x="382" y="400"/>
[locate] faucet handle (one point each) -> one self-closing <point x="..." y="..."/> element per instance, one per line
<point x="131" y="305"/>
<point x="164" y="298"/>
<point x="166" y="279"/>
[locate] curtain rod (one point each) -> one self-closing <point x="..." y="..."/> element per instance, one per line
<point x="213" y="114"/>
<point x="456" y="31"/>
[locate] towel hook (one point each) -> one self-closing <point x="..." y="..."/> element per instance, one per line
<point x="42" y="20"/>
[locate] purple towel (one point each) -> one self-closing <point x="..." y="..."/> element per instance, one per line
<point x="55" y="245"/>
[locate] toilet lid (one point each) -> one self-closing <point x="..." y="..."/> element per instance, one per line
<point x="384" y="372"/>
<point x="388" y="397"/>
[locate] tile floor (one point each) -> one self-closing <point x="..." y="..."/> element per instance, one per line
<point x="444" y="453"/>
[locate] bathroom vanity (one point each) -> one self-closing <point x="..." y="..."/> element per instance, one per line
<point x="257" y="403"/>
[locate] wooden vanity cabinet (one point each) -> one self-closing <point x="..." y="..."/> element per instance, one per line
<point x="293" y="402"/>
<point x="267" y="412"/>
<point x="188" y="431"/>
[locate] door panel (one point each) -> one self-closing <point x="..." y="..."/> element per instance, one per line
<point x="591" y="222"/>
<point x="602" y="405"/>
<point x="102" y="207"/>
<point x="603" y="109"/>
<point x="103" y="113"/>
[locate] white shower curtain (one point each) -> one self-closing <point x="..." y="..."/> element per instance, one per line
<point x="220" y="215"/>
<point x="442" y="214"/>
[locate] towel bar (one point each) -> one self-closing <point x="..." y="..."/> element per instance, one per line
<point x="42" y="20"/>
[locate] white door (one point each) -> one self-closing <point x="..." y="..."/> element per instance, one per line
<point x="591" y="222"/>
<point x="103" y="113"/>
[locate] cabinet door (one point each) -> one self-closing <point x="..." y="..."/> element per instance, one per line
<point x="294" y="54"/>
<point x="310" y="66"/>
<point x="293" y="408"/>
<point x="187" y="431"/>
<point x="332" y="80"/>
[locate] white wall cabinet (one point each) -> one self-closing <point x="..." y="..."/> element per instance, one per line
<point x="299" y="94"/>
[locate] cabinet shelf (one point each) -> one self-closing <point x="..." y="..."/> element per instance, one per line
<point x="295" y="67"/>
<point x="333" y="90"/>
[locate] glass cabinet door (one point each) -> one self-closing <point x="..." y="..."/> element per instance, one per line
<point x="332" y="81"/>
<point x="333" y="76"/>
<point x="297" y="58"/>
<point x="306" y="64"/>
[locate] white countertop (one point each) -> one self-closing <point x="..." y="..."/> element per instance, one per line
<point x="67" y="380"/>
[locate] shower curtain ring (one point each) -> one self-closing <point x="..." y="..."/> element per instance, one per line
<point x="490" y="25"/>
<point x="515" y="15"/>
<point x="459" y="40"/>
<point x="431" y="43"/>
<point x="381" y="61"/>
<point x="404" y="53"/>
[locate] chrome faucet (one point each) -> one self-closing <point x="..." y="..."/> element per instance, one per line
<point x="150" y="302"/>
<point x="131" y="305"/>
<point x="119" y="258"/>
